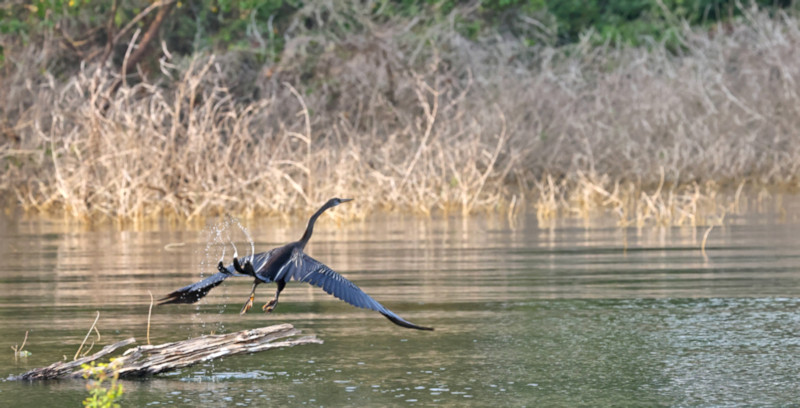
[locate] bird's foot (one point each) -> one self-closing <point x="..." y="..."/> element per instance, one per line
<point x="269" y="307"/>
<point x="247" y="306"/>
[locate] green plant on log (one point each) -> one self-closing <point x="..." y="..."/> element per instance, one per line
<point x="103" y="387"/>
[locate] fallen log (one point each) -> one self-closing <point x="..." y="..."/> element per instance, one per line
<point x="148" y="360"/>
<point x="61" y="369"/>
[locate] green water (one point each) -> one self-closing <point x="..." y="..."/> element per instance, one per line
<point x="567" y="315"/>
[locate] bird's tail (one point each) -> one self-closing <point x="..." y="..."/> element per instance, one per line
<point x="402" y="322"/>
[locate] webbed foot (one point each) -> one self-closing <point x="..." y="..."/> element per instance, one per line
<point x="247" y="305"/>
<point x="269" y="307"/>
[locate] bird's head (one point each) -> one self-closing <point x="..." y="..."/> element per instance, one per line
<point x="333" y="202"/>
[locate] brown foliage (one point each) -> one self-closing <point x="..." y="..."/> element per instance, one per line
<point x="415" y="120"/>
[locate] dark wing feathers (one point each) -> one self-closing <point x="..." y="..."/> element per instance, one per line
<point x="316" y="273"/>
<point x="197" y="290"/>
<point x="307" y="269"/>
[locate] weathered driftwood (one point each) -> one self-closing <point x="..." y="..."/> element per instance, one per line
<point x="148" y="360"/>
<point x="62" y="369"/>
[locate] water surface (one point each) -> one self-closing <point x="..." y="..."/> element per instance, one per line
<point x="564" y="315"/>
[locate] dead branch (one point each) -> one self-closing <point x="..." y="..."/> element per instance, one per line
<point x="148" y="360"/>
<point x="143" y="46"/>
<point x="148" y="36"/>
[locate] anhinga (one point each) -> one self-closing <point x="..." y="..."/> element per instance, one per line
<point x="280" y="265"/>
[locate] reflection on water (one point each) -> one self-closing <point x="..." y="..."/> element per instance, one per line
<point x="560" y="316"/>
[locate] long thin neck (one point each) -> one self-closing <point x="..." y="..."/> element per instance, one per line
<point x="310" y="227"/>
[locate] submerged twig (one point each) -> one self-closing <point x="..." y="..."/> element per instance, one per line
<point x="149" y="313"/>
<point x="77" y="353"/>
<point x="703" y="244"/>
<point x="18" y="350"/>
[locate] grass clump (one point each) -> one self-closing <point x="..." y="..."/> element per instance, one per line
<point x="411" y="116"/>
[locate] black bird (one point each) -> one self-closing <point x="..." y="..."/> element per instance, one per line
<point x="282" y="264"/>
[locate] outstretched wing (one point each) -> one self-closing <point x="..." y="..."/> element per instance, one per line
<point x="196" y="291"/>
<point x="309" y="270"/>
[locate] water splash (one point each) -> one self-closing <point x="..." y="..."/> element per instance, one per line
<point x="231" y="221"/>
<point x="218" y="236"/>
<point x="250" y="239"/>
<point x="222" y="234"/>
<point x="233" y="244"/>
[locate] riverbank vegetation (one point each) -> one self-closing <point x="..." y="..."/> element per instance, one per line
<point x="421" y="107"/>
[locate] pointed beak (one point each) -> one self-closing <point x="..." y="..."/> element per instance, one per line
<point x="344" y="200"/>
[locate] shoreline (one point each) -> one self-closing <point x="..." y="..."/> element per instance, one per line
<point x="688" y="205"/>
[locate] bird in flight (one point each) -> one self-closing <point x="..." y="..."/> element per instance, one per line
<point x="282" y="264"/>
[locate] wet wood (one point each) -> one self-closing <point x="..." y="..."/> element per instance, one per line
<point x="153" y="359"/>
<point x="63" y="369"/>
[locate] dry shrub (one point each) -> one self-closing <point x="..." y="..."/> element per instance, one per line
<point x="584" y="196"/>
<point x="415" y="118"/>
